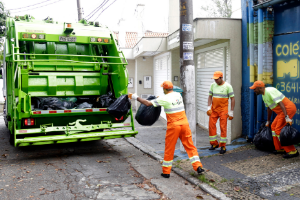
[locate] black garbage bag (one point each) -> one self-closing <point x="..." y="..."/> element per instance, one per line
<point x="105" y="100"/>
<point x="289" y="136"/>
<point x="147" y="116"/>
<point x="53" y="103"/>
<point x="84" y="105"/>
<point x="120" y="107"/>
<point x="263" y="139"/>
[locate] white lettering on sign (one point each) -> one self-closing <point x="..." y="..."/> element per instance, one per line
<point x="188" y="45"/>
<point x="186" y="27"/>
<point x="188" y="56"/>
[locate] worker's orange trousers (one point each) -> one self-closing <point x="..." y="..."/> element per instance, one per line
<point x="184" y="133"/>
<point x="279" y="122"/>
<point x="223" y="115"/>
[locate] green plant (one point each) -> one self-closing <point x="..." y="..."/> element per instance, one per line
<point x="223" y="180"/>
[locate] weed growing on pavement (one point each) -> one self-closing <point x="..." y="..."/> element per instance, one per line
<point x="223" y="180"/>
<point x="277" y="194"/>
<point x="231" y="180"/>
<point x="177" y="164"/>
<point x="203" y="179"/>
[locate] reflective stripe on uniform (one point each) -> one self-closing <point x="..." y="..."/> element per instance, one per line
<point x="266" y="105"/>
<point x="212" y="138"/>
<point x="156" y="103"/>
<point x="278" y="98"/>
<point x="231" y="93"/>
<point x="220" y="95"/>
<point x="181" y="108"/>
<point x="210" y="92"/>
<point x="223" y="140"/>
<point x="194" y="159"/>
<point x="167" y="163"/>
<point x="274" y="134"/>
<point x="272" y="106"/>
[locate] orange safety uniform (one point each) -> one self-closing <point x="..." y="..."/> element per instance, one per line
<point x="177" y="127"/>
<point x="272" y="97"/>
<point x="220" y="94"/>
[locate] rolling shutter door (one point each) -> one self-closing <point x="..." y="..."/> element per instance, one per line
<point x="207" y="63"/>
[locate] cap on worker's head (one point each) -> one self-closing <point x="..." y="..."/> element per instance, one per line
<point x="217" y="75"/>
<point x="167" y="85"/>
<point x="257" y="84"/>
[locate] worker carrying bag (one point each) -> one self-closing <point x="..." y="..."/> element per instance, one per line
<point x="263" y="139"/>
<point x="148" y="115"/>
<point x="120" y="107"/>
<point x="289" y="136"/>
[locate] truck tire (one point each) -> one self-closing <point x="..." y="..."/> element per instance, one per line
<point x="11" y="138"/>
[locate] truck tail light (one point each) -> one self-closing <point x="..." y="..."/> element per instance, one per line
<point x="29" y="122"/>
<point x="119" y="119"/>
<point x="99" y="39"/>
<point x="33" y="36"/>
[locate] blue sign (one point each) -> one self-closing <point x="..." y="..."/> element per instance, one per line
<point x="186" y="27"/>
<point x="188" y="56"/>
<point x="286" y="75"/>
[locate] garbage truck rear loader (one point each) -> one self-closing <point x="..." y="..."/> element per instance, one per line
<point x="63" y="62"/>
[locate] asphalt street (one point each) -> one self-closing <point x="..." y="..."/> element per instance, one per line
<point x="107" y="169"/>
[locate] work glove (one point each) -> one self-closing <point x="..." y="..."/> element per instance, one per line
<point x="133" y="96"/>
<point x="288" y="120"/>
<point x="209" y="111"/>
<point x="230" y="113"/>
<point x="268" y="123"/>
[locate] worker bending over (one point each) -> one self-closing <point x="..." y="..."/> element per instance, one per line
<point x="177" y="127"/>
<point x="285" y="110"/>
<point x="219" y="93"/>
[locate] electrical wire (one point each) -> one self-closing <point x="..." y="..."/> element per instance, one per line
<point x="29" y="6"/>
<point x="101" y="6"/>
<point x="157" y="48"/>
<point x="105" y="9"/>
<point x="95" y="9"/>
<point x="36" y="7"/>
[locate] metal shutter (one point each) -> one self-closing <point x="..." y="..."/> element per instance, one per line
<point x="207" y="63"/>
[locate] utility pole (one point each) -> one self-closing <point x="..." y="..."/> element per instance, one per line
<point x="79" y="10"/>
<point x="187" y="68"/>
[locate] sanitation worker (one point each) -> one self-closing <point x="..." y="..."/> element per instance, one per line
<point x="285" y="110"/>
<point x="177" y="127"/>
<point x="219" y="93"/>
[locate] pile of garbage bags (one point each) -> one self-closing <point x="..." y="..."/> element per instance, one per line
<point x="147" y="116"/>
<point x="65" y="103"/>
<point x="263" y="139"/>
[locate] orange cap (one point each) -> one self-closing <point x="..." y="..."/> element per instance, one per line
<point x="217" y="75"/>
<point x="257" y="84"/>
<point x="167" y="85"/>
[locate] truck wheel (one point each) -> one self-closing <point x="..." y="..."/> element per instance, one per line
<point x="12" y="139"/>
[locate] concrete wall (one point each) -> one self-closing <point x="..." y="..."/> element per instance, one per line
<point x="131" y="74"/>
<point x="144" y="68"/>
<point x="227" y="29"/>
<point x="175" y="66"/>
<point x="174" y="17"/>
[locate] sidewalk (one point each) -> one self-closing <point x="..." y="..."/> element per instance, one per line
<point x="243" y="172"/>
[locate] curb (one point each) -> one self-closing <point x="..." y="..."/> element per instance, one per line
<point x="151" y="151"/>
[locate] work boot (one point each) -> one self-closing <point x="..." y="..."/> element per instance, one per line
<point x="200" y="170"/>
<point x="213" y="147"/>
<point x="223" y="150"/>
<point x="281" y="151"/>
<point x="291" y="154"/>
<point x="165" y="175"/>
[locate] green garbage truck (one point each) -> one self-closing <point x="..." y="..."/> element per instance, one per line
<point x="48" y="63"/>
